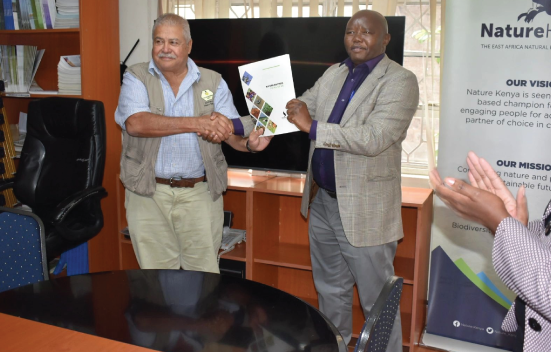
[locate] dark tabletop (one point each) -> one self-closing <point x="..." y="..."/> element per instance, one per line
<point x="175" y="310"/>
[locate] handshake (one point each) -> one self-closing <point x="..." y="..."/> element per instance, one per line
<point x="217" y="128"/>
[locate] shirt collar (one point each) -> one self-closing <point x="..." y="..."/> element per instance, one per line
<point x="370" y="64"/>
<point x="193" y="71"/>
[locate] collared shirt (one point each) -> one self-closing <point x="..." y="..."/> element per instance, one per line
<point x="179" y="154"/>
<point x="323" y="160"/>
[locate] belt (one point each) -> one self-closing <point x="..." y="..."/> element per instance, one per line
<point x="331" y="193"/>
<point x="180" y="182"/>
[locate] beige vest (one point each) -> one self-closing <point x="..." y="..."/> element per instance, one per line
<point x="139" y="154"/>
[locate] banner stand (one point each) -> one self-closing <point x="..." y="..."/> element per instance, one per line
<point x="496" y="102"/>
<point x="453" y="345"/>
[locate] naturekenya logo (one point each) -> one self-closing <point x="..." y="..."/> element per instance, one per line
<point x="542" y="5"/>
<point x="510" y="31"/>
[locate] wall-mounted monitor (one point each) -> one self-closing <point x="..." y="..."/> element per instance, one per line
<point x="313" y="45"/>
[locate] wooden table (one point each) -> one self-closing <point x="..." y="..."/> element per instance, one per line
<point x="18" y="334"/>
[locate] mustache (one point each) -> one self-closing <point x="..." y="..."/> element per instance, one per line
<point x="170" y="56"/>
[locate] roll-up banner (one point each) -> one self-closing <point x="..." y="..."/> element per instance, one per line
<point x="496" y="101"/>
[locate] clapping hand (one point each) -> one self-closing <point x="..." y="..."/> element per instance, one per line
<point x="481" y="175"/>
<point x="469" y="202"/>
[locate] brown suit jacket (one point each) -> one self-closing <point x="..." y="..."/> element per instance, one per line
<point x="368" y="147"/>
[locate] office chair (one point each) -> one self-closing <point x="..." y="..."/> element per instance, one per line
<point x="22" y="250"/>
<point x="376" y="331"/>
<point x="60" y="171"/>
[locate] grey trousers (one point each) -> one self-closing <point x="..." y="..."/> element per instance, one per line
<point x="337" y="265"/>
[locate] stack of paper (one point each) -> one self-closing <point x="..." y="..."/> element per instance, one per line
<point x="68" y="75"/>
<point x="18" y="67"/>
<point x="67" y="14"/>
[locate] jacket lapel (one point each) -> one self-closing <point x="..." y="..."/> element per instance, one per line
<point x="365" y="89"/>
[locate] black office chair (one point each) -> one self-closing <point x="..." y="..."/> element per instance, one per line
<point x="378" y="326"/>
<point x="22" y="250"/>
<point x="60" y="171"/>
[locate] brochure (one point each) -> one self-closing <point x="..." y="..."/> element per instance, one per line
<point x="268" y="86"/>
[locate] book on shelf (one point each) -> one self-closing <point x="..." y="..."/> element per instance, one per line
<point x="18" y="66"/>
<point x="49" y="12"/>
<point x="16" y="13"/>
<point x="8" y="14"/>
<point x="68" y="75"/>
<point x="16" y="9"/>
<point x="28" y="14"/>
<point x="28" y="18"/>
<point x="37" y="14"/>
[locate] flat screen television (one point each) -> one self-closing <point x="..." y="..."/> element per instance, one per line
<point x="313" y="45"/>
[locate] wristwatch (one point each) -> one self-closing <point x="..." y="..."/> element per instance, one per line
<point x="249" y="148"/>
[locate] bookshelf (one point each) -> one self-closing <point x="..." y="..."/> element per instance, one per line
<point x="277" y="249"/>
<point x="97" y="42"/>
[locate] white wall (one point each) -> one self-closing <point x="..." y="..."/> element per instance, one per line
<point x="136" y="22"/>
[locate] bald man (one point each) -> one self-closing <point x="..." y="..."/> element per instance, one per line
<point x="357" y="115"/>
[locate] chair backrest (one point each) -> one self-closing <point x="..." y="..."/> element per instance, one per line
<point x="22" y="249"/>
<point x="64" y="152"/>
<point x="378" y="326"/>
<point x="63" y="159"/>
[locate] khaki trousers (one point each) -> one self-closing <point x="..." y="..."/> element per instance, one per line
<point x="176" y="228"/>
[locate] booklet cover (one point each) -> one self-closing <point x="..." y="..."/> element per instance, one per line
<point x="268" y="86"/>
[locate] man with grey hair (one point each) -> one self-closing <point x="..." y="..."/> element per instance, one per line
<point x="174" y="179"/>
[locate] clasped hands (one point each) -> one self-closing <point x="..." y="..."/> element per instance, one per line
<point x="217" y="128"/>
<point x="487" y="200"/>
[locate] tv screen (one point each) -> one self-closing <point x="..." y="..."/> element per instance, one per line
<point x="313" y="45"/>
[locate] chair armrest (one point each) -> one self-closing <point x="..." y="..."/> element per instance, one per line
<point x="7" y="184"/>
<point x="70" y="203"/>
